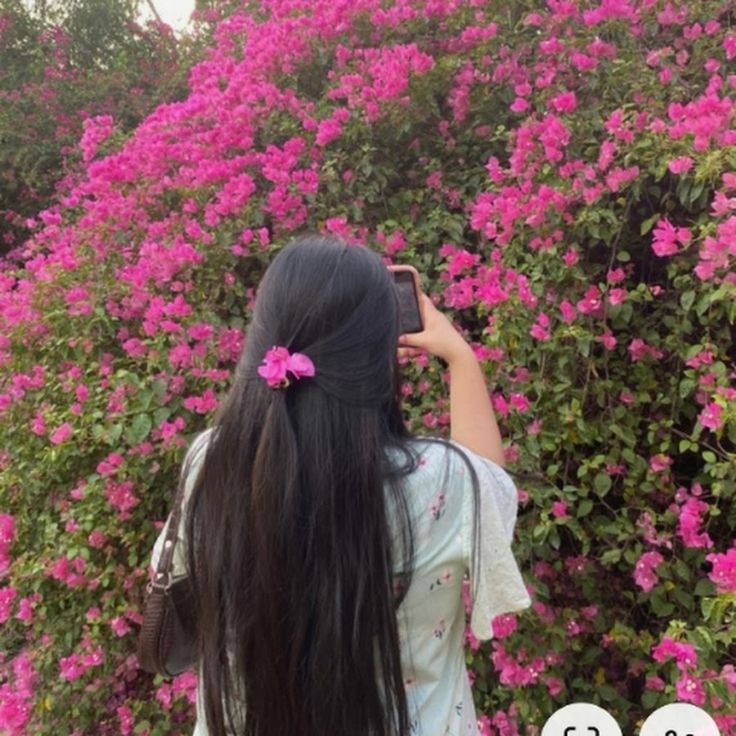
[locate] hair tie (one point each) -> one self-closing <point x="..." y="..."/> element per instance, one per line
<point x="279" y="361"/>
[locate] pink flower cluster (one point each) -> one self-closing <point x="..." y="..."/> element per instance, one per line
<point x="96" y="130"/>
<point x="16" y="695"/>
<point x="182" y="685"/>
<point x="723" y="573"/>
<point x="7" y="535"/>
<point x="513" y="671"/>
<point x="644" y="570"/>
<point x="667" y="238"/>
<point x="717" y="252"/>
<point x="376" y="76"/>
<point x="689" y="522"/>
<point x="689" y="687"/>
<point x="121" y="497"/>
<point x="76" y="664"/>
<point x="711" y="416"/>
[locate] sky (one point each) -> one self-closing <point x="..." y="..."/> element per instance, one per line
<point x="174" y="12"/>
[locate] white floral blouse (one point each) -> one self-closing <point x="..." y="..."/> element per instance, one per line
<point x="432" y="617"/>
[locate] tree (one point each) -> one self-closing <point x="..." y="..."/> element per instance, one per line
<point x="62" y="63"/>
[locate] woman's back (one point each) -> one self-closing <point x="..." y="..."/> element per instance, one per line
<point x="431" y="616"/>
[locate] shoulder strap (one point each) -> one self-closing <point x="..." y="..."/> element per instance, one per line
<point x="162" y="578"/>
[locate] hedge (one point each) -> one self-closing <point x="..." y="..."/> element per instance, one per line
<point x="563" y="175"/>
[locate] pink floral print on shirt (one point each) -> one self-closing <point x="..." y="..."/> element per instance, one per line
<point x="437" y="507"/>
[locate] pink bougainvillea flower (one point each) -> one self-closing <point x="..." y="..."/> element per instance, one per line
<point x="7" y="596"/>
<point x="608" y="339"/>
<point x="729" y="46"/>
<point x="278" y="362"/>
<point x="654" y="683"/>
<point x="568" y="312"/>
<point x="682" y="652"/>
<point x="690" y="521"/>
<point x="38" y="425"/>
<point x="571" y="257"/>
<point x="120" y="626"/>
<point x="711" y="417"/>
<point x="729" y="180"/>
<point x="615" y="275"/>
<point x="7" y="534"/>
<point x="564" y="102"/>
<point x="61" y="434"/>
<point x="659" y="462"/>
<point x="690" y="689"/>
<point x="121" y="496"/>
<point x="644" y="575"/>
<point x="520" y="402"/>
<point x="666" y="238"/>
<point x="540" y="329"/>
<point x="680" y="165"/>
<point x="201" y="404"/>
<point x="503" y="625"/>
<point x="723" y="573"/>
<point x="638" y="350"/>
<point x="591" y="301"/>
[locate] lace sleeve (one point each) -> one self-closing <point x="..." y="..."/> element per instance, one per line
<point x="494" y="576"/>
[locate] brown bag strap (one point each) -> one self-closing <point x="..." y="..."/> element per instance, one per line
<point x="162" y="577"/>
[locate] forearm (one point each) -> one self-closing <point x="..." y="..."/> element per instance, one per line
<point x="472" y="421"/>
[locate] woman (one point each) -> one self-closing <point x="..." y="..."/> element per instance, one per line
<point x="329" y="545"/>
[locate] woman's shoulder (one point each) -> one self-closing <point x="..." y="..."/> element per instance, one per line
<point x="437" y="453"/>
<point x="453" y="465"/>
<point x="198" y="446"/>
<point x="438" y="463"/>
<point x="193" y="459"/>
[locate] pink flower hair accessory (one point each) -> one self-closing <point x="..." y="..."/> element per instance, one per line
<point x="279" y="361"/>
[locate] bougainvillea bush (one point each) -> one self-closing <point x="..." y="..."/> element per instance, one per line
<point x="564" y="177"/>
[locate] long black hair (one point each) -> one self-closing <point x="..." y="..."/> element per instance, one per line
<point x="292" y="553"/>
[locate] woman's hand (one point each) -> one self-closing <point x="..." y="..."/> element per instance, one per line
<point x="472" y="421"/>
<point x="438" y="337"/>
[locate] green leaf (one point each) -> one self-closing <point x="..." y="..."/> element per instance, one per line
<point x="687" y="300"/>
<point x="704" y="587"/>
<point x="649" y="699"/>
<point x="138" y="429"/>
<point x="695" y="192"/>
<point x="161" y="415"/>
<point x="610" y="556"/>
<point x="647" y="225"/>
<point x="602" y="483"/>
<point x="114" y="434"/>
<point x="662" y="607"/>
<point x="607" y="692"/>
<point x="683" y="597"/>
<point x="584" y="508"/>
<point x="682" y="570"/>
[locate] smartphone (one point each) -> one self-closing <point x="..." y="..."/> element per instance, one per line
<point x="406" y="279"/>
